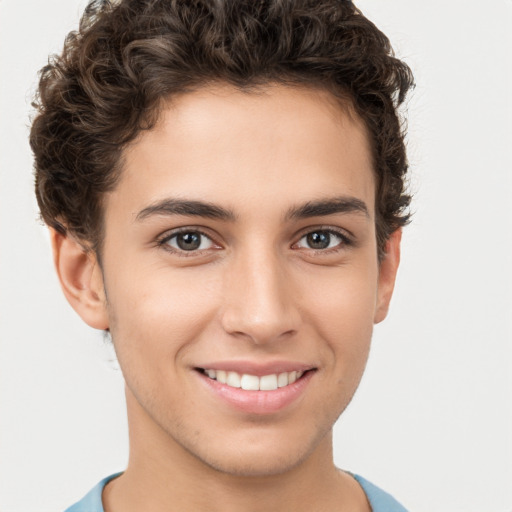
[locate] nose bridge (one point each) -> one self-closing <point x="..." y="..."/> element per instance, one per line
<point x="259" y="300"/>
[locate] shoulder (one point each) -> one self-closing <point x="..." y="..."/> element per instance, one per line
<point x="91" y="502"/>
<point x="380" y="500"/>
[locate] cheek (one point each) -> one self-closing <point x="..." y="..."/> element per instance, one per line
<point x="157" y="314"/>
<point x="345" y="324"/>
<point x="341" y="309"/>
<point x="342" y="302"/>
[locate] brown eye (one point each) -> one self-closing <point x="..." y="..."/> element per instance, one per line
<point x="189" y="241"/>
<point x="320" y="240"/>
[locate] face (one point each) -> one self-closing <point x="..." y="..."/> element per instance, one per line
<point x="241" y="275"/>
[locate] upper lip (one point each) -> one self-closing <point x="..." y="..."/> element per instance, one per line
<point x="257" y="368"/>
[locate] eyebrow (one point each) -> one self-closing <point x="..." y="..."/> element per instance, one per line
<point x="330" y="206"/>
<point x="193" y="208"/>
<point x="189" y="208"/>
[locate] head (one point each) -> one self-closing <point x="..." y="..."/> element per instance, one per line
<point x="224" y="181"/>
<point x="129" y="58"/>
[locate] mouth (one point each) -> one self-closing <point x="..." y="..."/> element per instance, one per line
<point x="253" y="388"/>
<point x="248" y="382"/>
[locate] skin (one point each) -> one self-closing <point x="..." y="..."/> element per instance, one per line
<point x="255" y="290"/>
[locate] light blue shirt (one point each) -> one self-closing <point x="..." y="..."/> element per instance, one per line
<point x="380" y="501"/>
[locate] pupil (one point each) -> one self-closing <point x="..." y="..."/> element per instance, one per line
<point x="319" y="240"/>
<point x="188" y="241"/>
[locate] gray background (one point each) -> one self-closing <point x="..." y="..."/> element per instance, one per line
<point x="432" y="421"/>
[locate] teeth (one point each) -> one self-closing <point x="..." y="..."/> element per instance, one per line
<point x="252" y="382"/>
<point x="233" y="380"/>
<point x="268" y="382"/>
<point x="282" y="380"/>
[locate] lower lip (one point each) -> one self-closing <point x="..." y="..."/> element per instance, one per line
<point x="259" y="402"/>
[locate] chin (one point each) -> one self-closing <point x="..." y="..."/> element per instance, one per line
<point x="255" y="465"/>
<point x="261" y="453"/>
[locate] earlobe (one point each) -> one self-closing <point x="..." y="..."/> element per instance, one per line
<point x="81" y="279"/>
<point x="387" y="274"/>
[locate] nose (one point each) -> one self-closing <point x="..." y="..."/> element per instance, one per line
<point x="259" y="300"/>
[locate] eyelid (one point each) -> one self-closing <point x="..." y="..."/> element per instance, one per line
<point x="346" y="236"/>
<point x="163" y="239"/>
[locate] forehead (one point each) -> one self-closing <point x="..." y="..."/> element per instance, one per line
<point x="220" y="144"/>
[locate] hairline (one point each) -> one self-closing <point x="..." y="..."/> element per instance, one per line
<point x="337" y="97"/>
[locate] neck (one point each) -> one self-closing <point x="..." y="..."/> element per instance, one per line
<point x="162" y="476"/>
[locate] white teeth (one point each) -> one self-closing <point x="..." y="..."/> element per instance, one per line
<point x="268" y="382"/>
<point x="252" y="382"/>
<point x="282" y="380"/>
<point x="233" y="380"/>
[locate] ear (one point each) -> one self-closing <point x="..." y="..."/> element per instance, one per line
<point x="387" y="274"/>
<point x="81" y="279"/>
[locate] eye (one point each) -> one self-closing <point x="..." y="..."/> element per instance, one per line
<point x="188" y="241"/>
<point x="321" y="239"/>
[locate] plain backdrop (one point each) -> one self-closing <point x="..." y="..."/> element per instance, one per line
<point x="432" y="420"/>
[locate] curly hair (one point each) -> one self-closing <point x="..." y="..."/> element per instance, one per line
<point x="129" y="56"/>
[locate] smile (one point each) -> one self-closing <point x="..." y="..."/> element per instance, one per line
<point x="249" y="382"/>
<point x="257" y="389"/>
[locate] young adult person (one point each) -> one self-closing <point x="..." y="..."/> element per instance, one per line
<point x="224" y="185"/>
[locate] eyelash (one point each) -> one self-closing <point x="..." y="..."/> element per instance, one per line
<point x="163" y="241"/>
<point x="345" y="240"/>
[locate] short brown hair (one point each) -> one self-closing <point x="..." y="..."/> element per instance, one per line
<point x="130" y="55"/>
